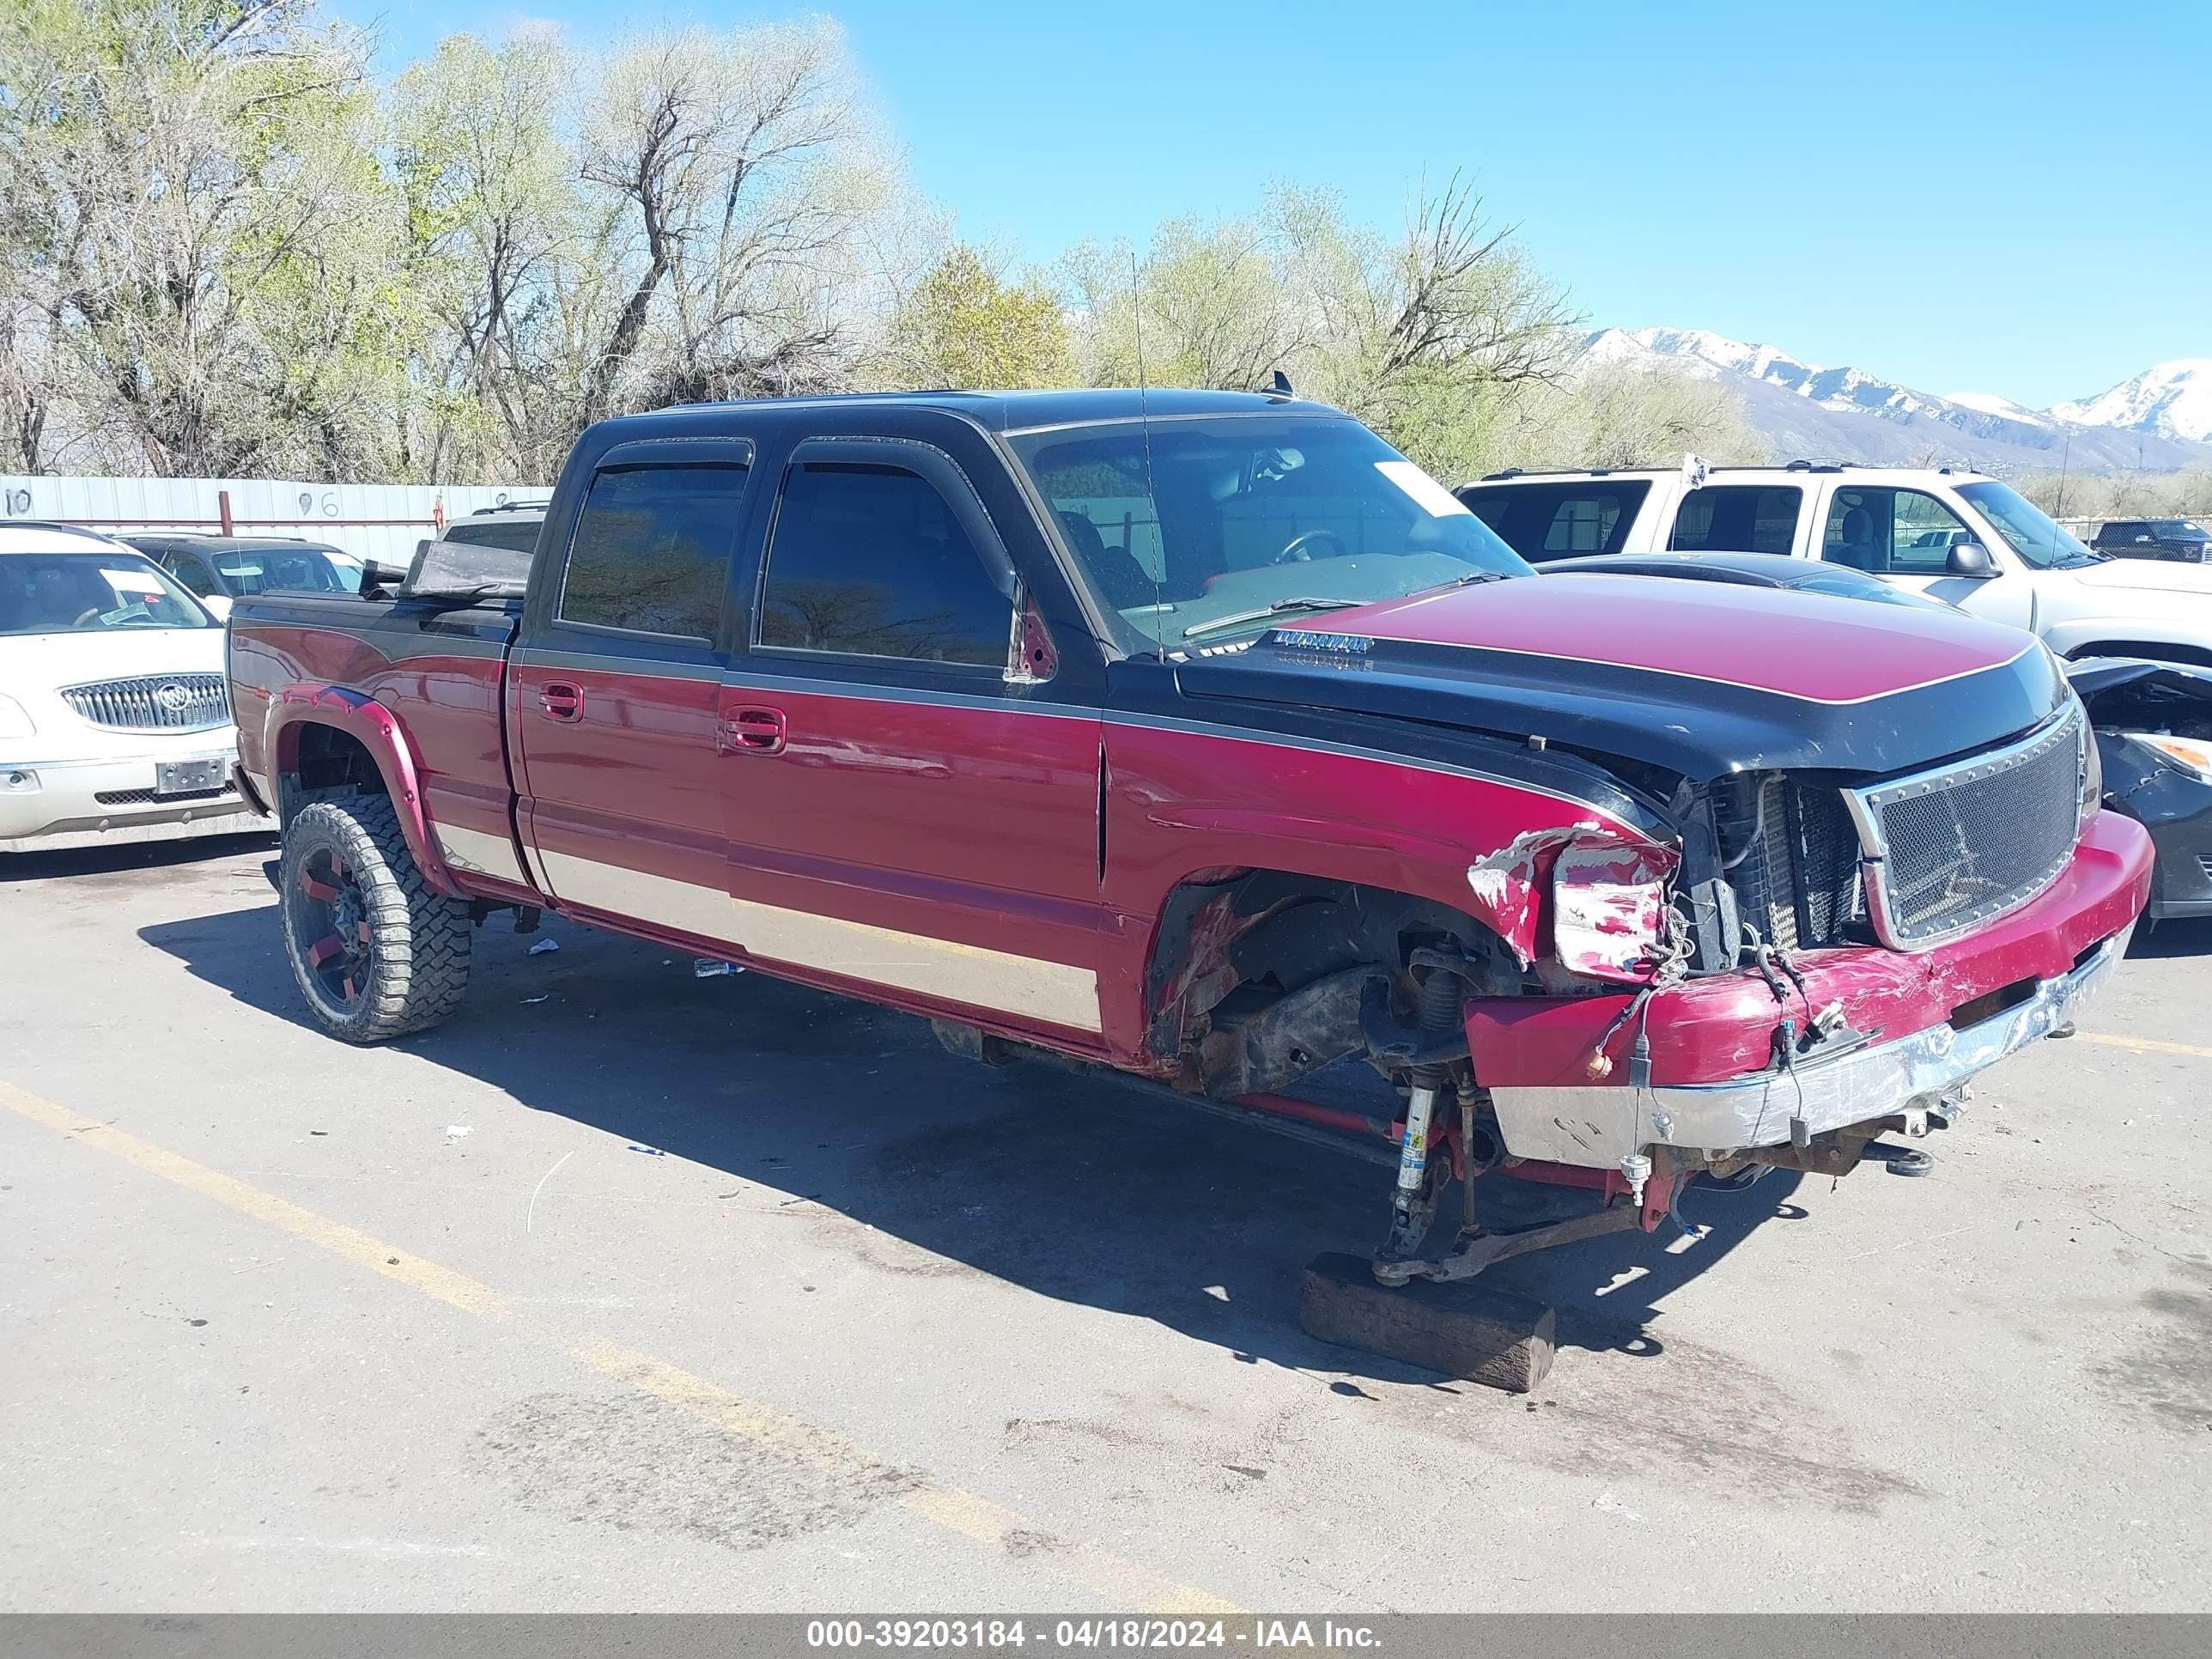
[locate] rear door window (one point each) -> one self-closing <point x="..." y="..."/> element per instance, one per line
<point x="1738" y="519"/>
<point x="1542" y="521"/>
<point x="870" y="560"/>
<point x="652" y="549"/>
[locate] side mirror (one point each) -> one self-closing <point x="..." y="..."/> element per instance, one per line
<point x="1970" y="559"/>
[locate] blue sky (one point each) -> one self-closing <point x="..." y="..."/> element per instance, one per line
<point x="2010" y="198"/>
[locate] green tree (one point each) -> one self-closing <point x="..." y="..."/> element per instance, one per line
<point x="197" y="226"/>
<point x="964" y="326"/>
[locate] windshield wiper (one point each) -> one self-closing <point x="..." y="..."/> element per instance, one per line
<point x="1237" y="618"/>
<point x="1468" y="580"/>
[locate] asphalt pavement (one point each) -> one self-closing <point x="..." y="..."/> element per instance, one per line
<point x="629" y="1290"/>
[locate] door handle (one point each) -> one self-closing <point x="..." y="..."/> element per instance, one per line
<point x="562" y="702"/>
<point x="751" y="732"/>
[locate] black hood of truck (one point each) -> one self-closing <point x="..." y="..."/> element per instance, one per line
<point x="1702" y="679"/>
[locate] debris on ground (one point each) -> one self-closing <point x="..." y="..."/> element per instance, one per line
<point x="650" y="1152"/>
<point x="545" y="946"/>
<point x="455" y="1131"/>
<point x="709" y="966"/>
<point x="529" y="1002"/>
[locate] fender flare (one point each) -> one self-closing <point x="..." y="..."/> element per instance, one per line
<point x="379" y="731"/>
<point x="2069" y="638"/>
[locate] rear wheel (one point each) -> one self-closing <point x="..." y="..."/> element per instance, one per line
<point x="376" y="952"/>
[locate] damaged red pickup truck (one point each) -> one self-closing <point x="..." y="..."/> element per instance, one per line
<point x="1202" y="737"/>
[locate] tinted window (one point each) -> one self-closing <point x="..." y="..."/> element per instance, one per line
<point x="1738" y="519"/>
<point x="516" y="535"/>
<point x="1556" y="521"/>
<point x="191" y="572"/>
<point x="870" y="560"/>
<point x="1899" y="532"/>
<point x="652" y="551"/>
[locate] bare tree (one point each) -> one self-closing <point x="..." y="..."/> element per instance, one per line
<point x="731" y="176"/>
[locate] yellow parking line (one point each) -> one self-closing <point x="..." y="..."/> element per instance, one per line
<point x="1124" y="1584"/>
<point x="2113" y="1040"/>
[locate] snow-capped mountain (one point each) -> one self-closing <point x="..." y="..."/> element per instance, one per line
<point x="2158" y="420"/>
<point x="2173" y="400"/>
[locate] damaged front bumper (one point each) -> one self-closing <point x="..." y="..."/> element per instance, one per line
<point x="1931" y="1022"/>
<point x="1569" y="1125"/>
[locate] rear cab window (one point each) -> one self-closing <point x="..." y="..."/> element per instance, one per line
<point x="516" y="535"/>
<point x="1738" y="519"/>
<point x="1542" y="521"/>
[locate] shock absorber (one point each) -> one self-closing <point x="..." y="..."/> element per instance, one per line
<point x="1413" y="1204"/>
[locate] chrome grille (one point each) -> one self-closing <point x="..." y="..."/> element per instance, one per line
<point x="153" y="703"/>
<point x="1954" y="847"/>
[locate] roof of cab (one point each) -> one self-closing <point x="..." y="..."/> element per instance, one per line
<point x="1021" y="411"/>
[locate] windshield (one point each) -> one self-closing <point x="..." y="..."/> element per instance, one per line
<point x="283" y="567"/>
<point x="1209" y="529"/>
<point x="2027" y="529"/>
<point x="90" y="593"/>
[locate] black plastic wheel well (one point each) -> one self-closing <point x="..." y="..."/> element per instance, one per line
<point x="1282" y="930"/>
<point x="329" y="764"/>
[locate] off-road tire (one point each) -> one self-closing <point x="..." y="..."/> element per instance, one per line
<point x="412" y="943"/>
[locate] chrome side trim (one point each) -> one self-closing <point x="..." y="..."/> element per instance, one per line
<point x="1597" y="1126"/>
<point x="474" y="851"/>
<point x="1029" y="987"/>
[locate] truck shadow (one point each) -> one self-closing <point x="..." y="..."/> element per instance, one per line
<point x="2186" y="937"/>
<point x="1075" y="1186"/>
<point x="124" y="858"/>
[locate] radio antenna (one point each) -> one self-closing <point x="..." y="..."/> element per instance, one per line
<point x="1144" y="426"/>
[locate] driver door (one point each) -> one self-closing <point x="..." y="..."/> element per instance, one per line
<point x="1906" y="536"/>
<point x="908" y="812"/>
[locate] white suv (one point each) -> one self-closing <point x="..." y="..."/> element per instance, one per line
<point x="1955" y="535"/>
<point x="114" y="722"/>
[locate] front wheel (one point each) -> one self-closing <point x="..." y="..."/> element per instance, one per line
<point x="376" y="952"/>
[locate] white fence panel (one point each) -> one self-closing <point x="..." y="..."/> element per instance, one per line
<point x="370" y="521"/>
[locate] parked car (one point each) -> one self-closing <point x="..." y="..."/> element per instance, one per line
<point x="2152" y="720"/>
<point x="1768" y="570"/>
<point x="2155" y="539"/>
<point x="2153" y="724"/>
<point x="114" y="723"/>
<point x="1202" y="737"/>
<point x="1971" y="541"/>
<point x="218" y="569"/>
